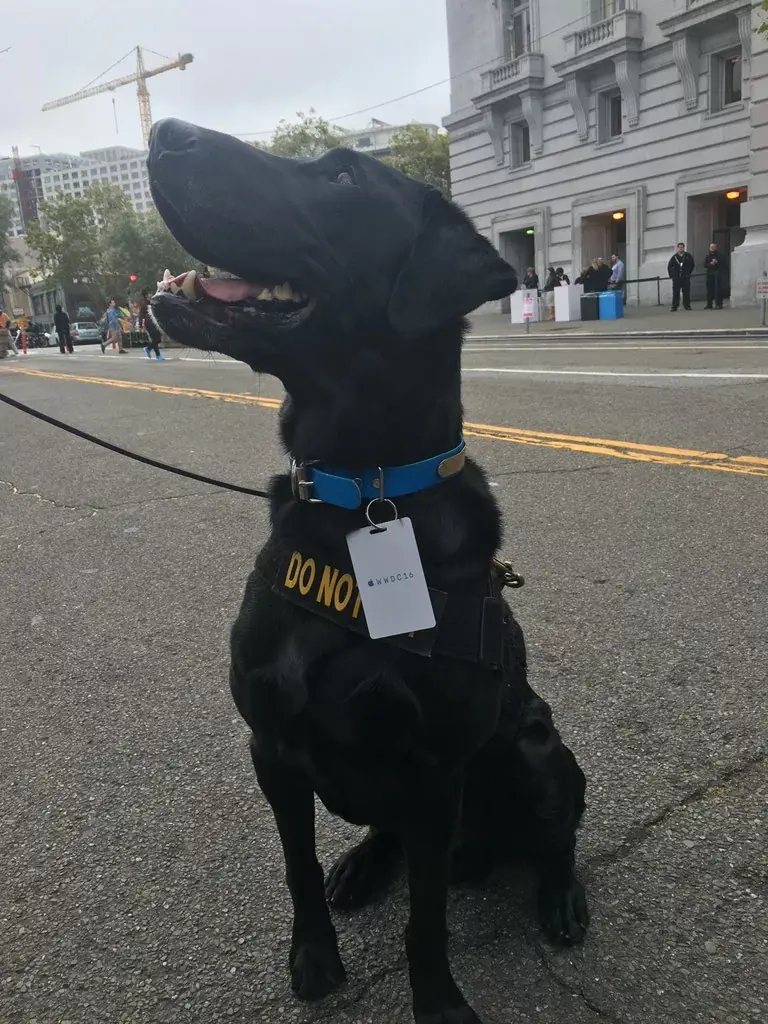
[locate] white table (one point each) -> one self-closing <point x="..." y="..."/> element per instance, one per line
<point x="568" y="302"/>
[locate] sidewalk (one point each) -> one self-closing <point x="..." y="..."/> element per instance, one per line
<point x="647" y="322"/>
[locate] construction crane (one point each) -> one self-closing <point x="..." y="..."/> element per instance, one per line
<point x="140" y="76"/>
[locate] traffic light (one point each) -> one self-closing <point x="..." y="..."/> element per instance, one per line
<point x="133" y="279"/>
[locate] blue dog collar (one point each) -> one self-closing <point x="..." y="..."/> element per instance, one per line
<point x="348" y="488"/>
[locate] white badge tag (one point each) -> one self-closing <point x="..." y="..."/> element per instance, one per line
<point x="390" y="579"/>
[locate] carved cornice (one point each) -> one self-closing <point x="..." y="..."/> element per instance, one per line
<point x="745" y="32"/>
<point x="576" y="93"/>
<point x="628" y="78"/>
<point x="686" y="51"/>
<point x="533" y="112"/>
<point x="493" y="122"/>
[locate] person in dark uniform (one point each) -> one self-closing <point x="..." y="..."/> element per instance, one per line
<point x="61" y="323"/>
<point x="713" y="266"/>
<point x="680" y="268"/>
<point x="147" y="324"/>
<point x="531" y="280"/>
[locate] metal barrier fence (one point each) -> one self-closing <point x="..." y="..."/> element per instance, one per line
<point x="651" y="294"/>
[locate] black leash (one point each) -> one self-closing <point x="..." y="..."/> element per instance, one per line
<point x="145" y="460"/>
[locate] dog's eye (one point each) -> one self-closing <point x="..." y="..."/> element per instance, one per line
<point x="345" y="177"/>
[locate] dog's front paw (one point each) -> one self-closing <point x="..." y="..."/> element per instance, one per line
<point x="563" y="912"/>
<point x="316" y="970"/>
<point x="363" y="873"/>
<point x="458" y="1015"/>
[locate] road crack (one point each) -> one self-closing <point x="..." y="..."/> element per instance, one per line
<point x="92" y="509"/>
<point x="575" y="991"/>
<point x="43" y="500"/>
<point x="637" y="835"/>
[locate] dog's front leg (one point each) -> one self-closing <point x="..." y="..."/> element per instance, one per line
<point x="316" y="968"/>
<point x="427" y="840"/>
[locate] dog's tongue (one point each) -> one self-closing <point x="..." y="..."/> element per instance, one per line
<point x="224" y="289"/>
<point x="220" y="289"/>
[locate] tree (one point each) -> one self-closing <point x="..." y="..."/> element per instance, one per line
<point x="8" y="254"/>
<point x="422" y="154"/>
<point x="415" y="150"/>
<point x="77" y="242"/>
<point x="98" y="238"/>
<point x="144" y="246"/>
<point x="310" y="136"/>
<point x="763" y="26"/>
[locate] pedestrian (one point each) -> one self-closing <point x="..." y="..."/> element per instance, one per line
<point x="114" y="331"/>
<point x="548" y="294"/>
<point x="713" y="267"/>
<point x="680" y="268"/>
<point x="12" y="335"/>
<point x="148" y="325"/>
<point x="531" y="280"/>
<point x="602" y="274"/>
<point x="616" y="280"/>
<point x="62" y="327"/>
<point x="562" y="277"/>
<point x="15" y="333"/>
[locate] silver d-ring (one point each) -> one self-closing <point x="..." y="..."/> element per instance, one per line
<point x="380" y="501"/>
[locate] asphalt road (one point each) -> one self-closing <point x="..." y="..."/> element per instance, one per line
<point x="140" y="874"/>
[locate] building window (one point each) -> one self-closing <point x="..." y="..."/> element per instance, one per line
<point x="517" y="27"/>
<point x="519" y="144"/>
<point x="602" y="10"/>
<point x="610" y="117"/>
<point x="725" y="80"/>
<point x="732" y="80"/>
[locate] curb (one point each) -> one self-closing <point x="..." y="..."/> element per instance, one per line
<point x="746" y="332"/>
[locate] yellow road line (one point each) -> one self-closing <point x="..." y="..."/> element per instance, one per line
<point x="746" y="465"/>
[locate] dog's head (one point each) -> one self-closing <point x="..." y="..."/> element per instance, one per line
<point x="324" y="254"/>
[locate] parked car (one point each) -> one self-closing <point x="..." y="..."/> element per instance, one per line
<point x="85" y="332"/>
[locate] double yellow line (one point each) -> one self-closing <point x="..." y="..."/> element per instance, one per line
<point x="746" y="465"/>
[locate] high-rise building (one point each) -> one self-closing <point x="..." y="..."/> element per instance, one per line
<point x="50" y="174"/>
<point x="597" y="126"/>
<point x="376" y="138"/>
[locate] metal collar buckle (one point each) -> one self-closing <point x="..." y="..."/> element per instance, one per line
<point x="301" y="485"/>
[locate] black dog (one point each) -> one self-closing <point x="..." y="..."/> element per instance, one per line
<point x="352" y="284"/>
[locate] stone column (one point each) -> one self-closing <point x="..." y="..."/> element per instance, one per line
<point x="749" y="262"/>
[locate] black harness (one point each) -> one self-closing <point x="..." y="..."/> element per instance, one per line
<point x="469" y="627"/>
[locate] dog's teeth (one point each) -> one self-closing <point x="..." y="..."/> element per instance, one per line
<point x="284" y="292"/>
<point x="188" y="285"/>
<point x="266" y="295"/>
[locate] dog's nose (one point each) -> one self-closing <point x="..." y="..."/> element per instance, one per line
<point x="172" y="136"/>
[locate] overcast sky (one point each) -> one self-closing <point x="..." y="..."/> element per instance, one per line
<point x="255" y="62"/>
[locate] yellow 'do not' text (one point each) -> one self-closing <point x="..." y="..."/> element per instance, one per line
<point x="329" y="587"/>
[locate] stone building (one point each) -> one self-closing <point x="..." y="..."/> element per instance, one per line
<point x="588" y="127"/>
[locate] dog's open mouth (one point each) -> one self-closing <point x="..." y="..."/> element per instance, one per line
<point x="228" y="298"/>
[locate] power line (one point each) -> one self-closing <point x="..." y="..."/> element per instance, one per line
<point x="425" y="88"/>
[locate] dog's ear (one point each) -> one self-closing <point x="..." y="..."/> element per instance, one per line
<point x="450" y="271"/>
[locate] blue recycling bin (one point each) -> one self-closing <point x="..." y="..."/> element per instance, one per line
<point x="611" y="305"/>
